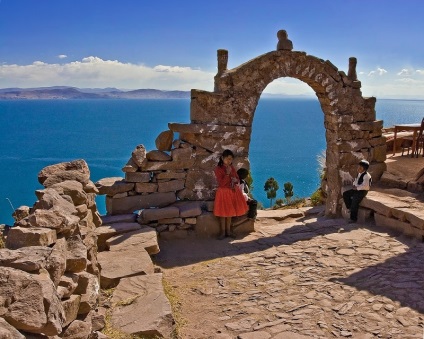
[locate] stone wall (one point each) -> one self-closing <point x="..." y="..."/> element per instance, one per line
<point x="181" y="169"/>
<point x="49" y="271"/>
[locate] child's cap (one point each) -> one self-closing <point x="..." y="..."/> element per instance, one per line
<point x="365" y="164"/>
<point x="243" y="173"/>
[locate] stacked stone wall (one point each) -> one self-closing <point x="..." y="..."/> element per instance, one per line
<point x="49" y="271"/>
<point x="223" y="119"/>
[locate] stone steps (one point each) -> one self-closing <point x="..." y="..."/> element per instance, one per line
<point x="139" y="303"/>
<point x="397" y="209"/>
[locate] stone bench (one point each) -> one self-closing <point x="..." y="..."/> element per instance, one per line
<point x="396" y="209"/>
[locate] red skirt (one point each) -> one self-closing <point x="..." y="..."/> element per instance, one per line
<point x="229" y="203"/>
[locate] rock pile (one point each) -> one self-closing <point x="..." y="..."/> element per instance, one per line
<point x="49" y="271"/>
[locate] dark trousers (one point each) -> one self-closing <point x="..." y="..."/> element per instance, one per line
<point x="253" y="207"/>
<point x="352" y="199"/>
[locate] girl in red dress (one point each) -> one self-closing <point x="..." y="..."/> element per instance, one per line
<point x="229" y="200"/>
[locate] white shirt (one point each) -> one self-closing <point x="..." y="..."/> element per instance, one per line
<point x="366" y="183"/>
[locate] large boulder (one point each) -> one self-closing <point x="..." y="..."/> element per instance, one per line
<point x="75" y="170"/>
<point x="28" y="259"/>
<point x="29" y="302"/>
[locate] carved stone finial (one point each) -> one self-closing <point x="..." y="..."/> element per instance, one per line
<point x="351" y="74"/>
<point x="283" y="42"/>
<point x="222" y="60"/>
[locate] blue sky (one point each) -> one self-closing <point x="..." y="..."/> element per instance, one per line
<point x="172" y="44"/>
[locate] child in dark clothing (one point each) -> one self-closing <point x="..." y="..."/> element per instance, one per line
<point x="252" y="203"/>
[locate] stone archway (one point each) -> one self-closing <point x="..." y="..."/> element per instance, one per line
<point x="223" y="118"/>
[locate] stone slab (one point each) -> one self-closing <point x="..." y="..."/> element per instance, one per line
<point x="150" y="214"/>
<point x="137" y="202"/>
<point x="129" y="262"/>
<point x="146" y="237"/>
<point x="108" y="231"/>
<point x="382" y="203"/>
<point x="207" y="226"/>
<point x="245" y="227"/>
<point x="113" y="185"/>
<point x="171" y="186"/>
<point x="142" y="308"/>
<point x="137" y="176"/>
<point x="110" y="219"/>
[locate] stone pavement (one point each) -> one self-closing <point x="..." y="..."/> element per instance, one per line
<point x="308" y="277"/>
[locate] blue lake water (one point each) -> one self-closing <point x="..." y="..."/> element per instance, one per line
<point x="287" y="136"/>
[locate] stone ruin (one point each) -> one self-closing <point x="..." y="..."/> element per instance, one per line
<point x="50" y="274"/>
<point x="49" y="271"/>
<point x="181" y="169"/>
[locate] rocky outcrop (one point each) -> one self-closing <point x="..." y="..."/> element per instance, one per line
<point x="49" y="271"/>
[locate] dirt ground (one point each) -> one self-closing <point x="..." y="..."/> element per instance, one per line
<point x="284" y="280"/>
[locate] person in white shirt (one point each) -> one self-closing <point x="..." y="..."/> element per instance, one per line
<point x="361" y="185"/>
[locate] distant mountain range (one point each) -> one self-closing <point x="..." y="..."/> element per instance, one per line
<point x="64" y="92"/>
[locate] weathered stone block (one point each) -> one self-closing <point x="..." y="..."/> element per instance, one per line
<point x="404" y="227"/>
<point x="207" y="226"/>
<point x="7" y="331"/>
<point x="158" y="156"/>
<point x="146" y="187"/>
<point x="139" y="155"/>
<point x="137" y="202"/>
<point x="121" y="218"/>
<point x="200" y="180"/>
<point x="171" y="186"/>
<point x="168" y="165"/>
<point x="171" y="175"/>
<point x="170" y="221"/>
<point x="67" y="285"/>
<point x="88" y="288"/>
<point x="245" y="227"/>
<point x="137" y="262"/>
<point x="75" y="170"/>
<point x="76" y="257"/>
<point x="22" y="237"/>
<point x="106" y="232"/>
<point x="70" y="307"/>
<point x="189" y="209"/>
<point x="159" y="213"/>
<point x="145" y="237"/>
<point x="137" y="177"/>
<point x="149" y="313"/>
<point x="30" y="303"/>
<point x="113" y="186"/>
<point x="381" y="203"/>
<point x="55" y="219"/>
<point x="182" y="154"/>
<point x="164" y="141"/>
<point x="130" y="166"/>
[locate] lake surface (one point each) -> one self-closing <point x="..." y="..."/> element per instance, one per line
<point x="287" y="137"/>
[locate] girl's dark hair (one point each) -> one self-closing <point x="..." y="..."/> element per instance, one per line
<point x="225" y="154"/>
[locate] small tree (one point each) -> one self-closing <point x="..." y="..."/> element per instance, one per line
<point x="271" y="187"/>
<point x="288" y="191"/>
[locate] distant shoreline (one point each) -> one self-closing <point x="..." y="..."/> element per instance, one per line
<point x="72" y="93"/>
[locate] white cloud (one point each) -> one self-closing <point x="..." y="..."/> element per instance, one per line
<point x="93" y="71"/>
<point x="380" y="71"/>
<point x="420" y="71"/>
<point x="62" y="56"/>
<point x="404" y="72"/>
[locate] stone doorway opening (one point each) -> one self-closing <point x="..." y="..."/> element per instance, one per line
<point x="287" y="136"/>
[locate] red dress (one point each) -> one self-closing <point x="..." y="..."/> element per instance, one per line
<point x="229" y="200"/>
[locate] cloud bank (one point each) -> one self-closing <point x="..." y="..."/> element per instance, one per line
<point x="95" y="72"/>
